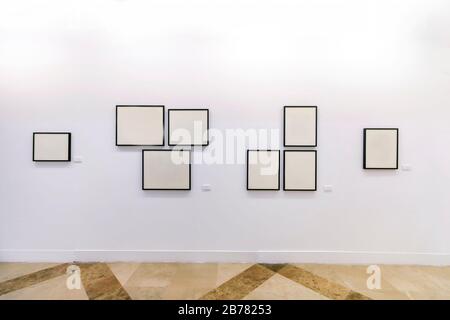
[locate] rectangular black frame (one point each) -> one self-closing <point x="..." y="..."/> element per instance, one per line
<point x="284" y="170"/>
<point x="364" y="149"/>
<point x="187" y="145"/>
<point x="167" y="150"/>
<point x="284" y="127"/>
<point x="279" y="169"/>
<point x="143" y="106"/>
<point x="69" y="153"/>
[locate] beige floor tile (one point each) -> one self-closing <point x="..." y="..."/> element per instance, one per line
<point x="419" y="282"/>
<point x="352" y="276"/>
<point x="384" y="294"/>
<point x="226" y="271"/>
<point x="154" y="275"/>
<point x="240" y="285"/>
<point x="194" y="281"/>
<point x="326" y="286"/>
<point x="440" y="275"/>
<point x="355" y="277"/>
<point x="123" y="271"/>
<point x="191" y="281"/>
<point x="172" y="281"/>
<point x="11" y="270"/>
<point x="145" y="293"/>
<point x="280" y="288"/>
<point x="53" y="289"/>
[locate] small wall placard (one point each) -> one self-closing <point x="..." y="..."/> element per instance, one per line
<point x="380" y="148"/>
<point x="52" y="146"/>
<point x="166" y="169"/>
<point x="300" y="170"/>
<point x="139" y="125"/>
<point x="300" y="126"/>
<point x="263" y="169"/>
<point x="188" y="127"/>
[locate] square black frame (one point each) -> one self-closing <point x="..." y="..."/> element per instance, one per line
<point x="284" y="170"/>
<point x="284" y="127"/>
<point x="279" y="168"/>
<point x="364" y="149"/>
<point x="142" y="106"/>
<point x="188" y="145"/>
<point x="167" y="150"/>
<point x="69" y="153"/>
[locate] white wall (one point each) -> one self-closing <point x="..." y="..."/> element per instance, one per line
<point x="64" y="65"/>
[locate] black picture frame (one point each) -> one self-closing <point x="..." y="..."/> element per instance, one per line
<point x="69" y="146"/>
<point x="279" y="169"/>
<point x="365" y="149"/>
<point x="187" y="109"/>
<point x="141" y="106"/>
<point x="284" y="170"/>
<point x="284" y="127"/>
<point x="166" y="189"/>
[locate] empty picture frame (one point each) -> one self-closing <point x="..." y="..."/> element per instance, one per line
<point x="300" y="170"/>
<point x="52" y="146"/>
<point x="380" y="148"/>
<point x="188" y="127"/>
<point x="263" y="170"/>
<point x="139" y="125"/>
<point x="300" y="126"/>
<point x="166" y="169"/>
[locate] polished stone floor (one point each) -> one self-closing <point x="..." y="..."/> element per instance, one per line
<point x="218" y="281"/>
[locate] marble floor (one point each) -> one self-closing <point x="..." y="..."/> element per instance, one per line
<point x="100" y="281"/>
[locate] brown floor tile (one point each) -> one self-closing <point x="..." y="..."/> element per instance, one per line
<point x="278" y="287"/>
<point x="53" y="289"/>
<point x="32" y="278"/>
<point x="321" y="285"/>
<point x="222" y="281"/>
<point x="11" y="270"/>
<point x="100" y="283"/>
<point x="274" y="267"/>
<point x="241" y="285"/>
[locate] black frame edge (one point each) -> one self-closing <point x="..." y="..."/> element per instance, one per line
<point x="166" y="189"/>
<point x="284" y="127"/>
<point x="188" y="145"/>
<point x="69" y="146"/>
<point x="142" y="145"/>
<point x="284" y="170"/>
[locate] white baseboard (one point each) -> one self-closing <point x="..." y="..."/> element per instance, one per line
<point x="199" y="256"/>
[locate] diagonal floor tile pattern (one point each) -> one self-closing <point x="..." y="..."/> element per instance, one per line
<point x="53" y="289"/>
<point x="278" y="287"/>
<point x="32" y="278"/>
<point x="241" y="285"/>
<point x="100" y="281"/>
<point x="321" y="285"/>
<point x="10" y="270"/>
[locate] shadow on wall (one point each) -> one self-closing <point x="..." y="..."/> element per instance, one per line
<point x="133" y="149"/>
<point x="163" y="194"/>
<point x="281" y="194"/>
<point x="52" y="164"/>
<point x="380" y="173"/>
